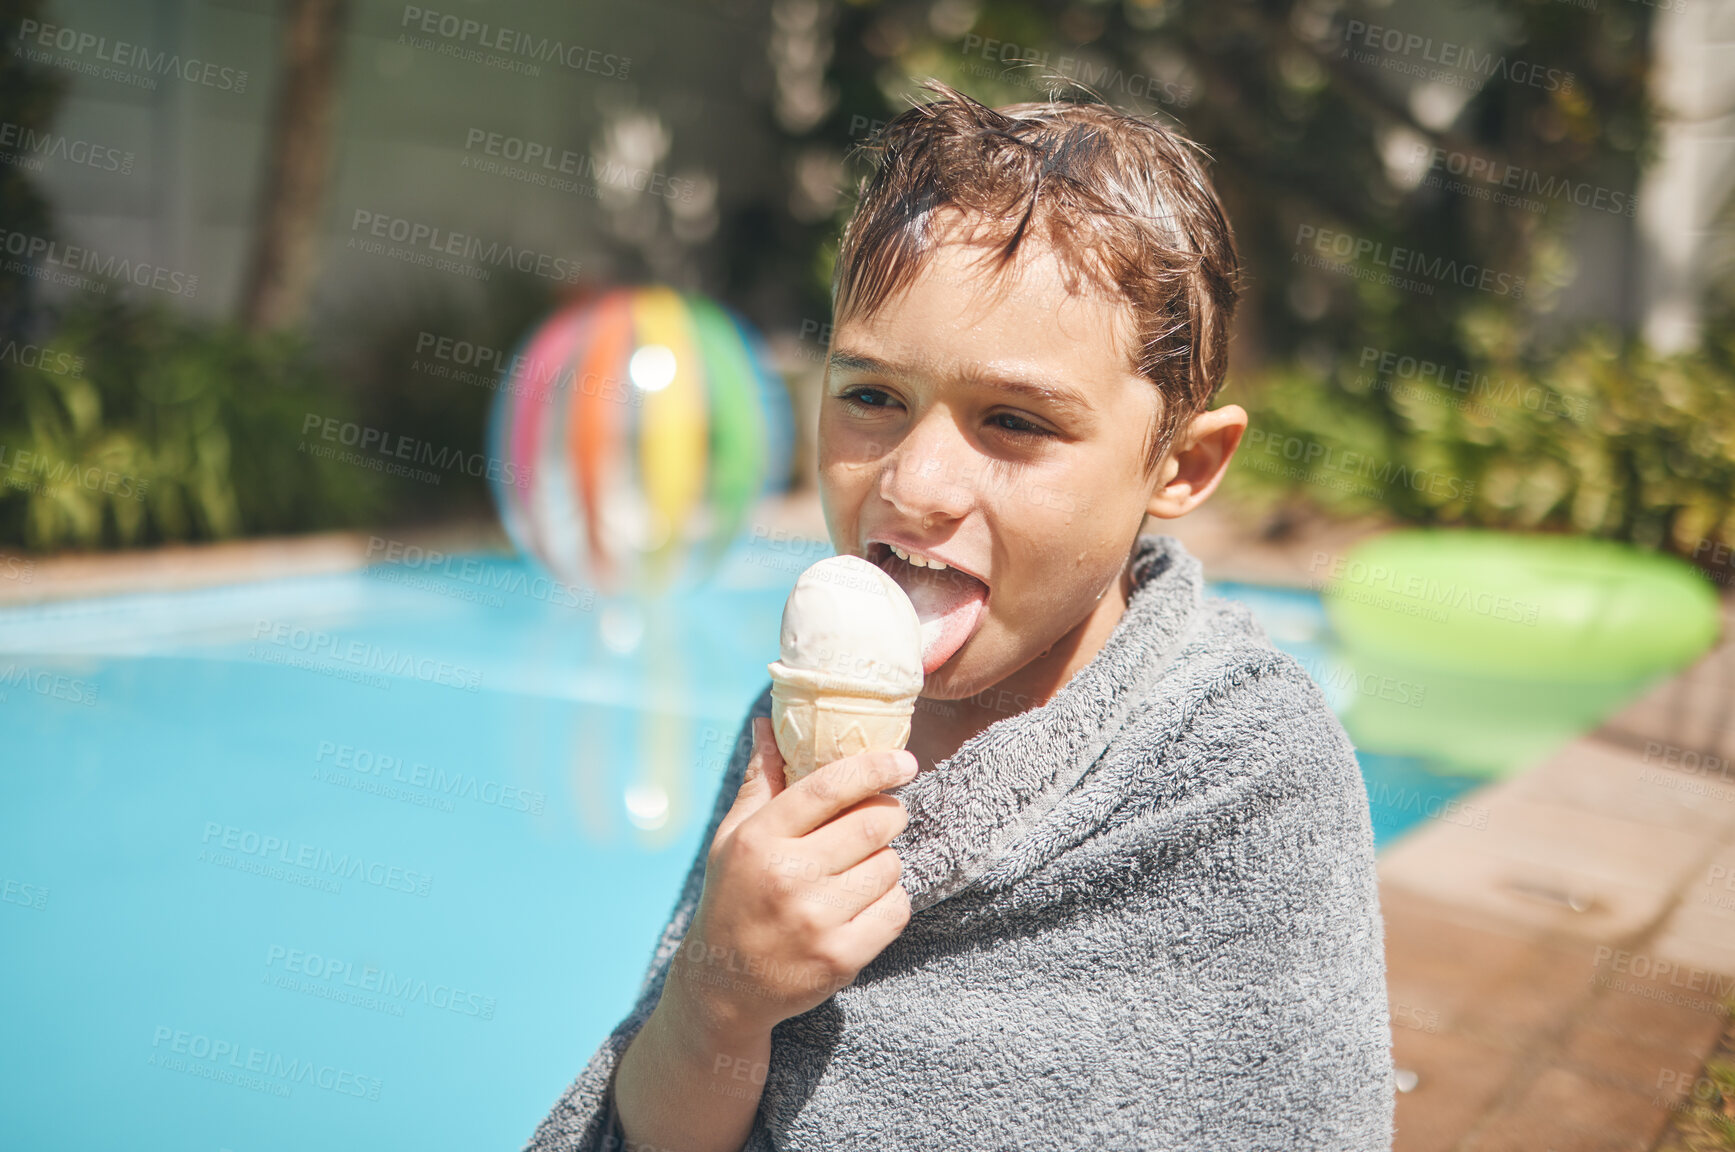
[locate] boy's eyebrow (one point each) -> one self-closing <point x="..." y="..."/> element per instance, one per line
<point x="1062" y="398"/>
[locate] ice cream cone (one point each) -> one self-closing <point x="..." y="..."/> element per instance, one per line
<point x="818" y="717"/>
<point x="850" y="668"/>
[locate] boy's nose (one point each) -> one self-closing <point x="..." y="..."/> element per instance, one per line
<point x="923" y="477"/>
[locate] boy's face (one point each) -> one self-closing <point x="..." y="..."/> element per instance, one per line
<point x="1038" y="496"/>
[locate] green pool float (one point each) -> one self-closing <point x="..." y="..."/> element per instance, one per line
<point x="1514" y="643"/>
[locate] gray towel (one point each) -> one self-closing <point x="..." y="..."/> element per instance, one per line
<point x="1146" y="916"/>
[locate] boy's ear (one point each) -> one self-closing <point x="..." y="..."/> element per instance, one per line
<point x="1196" y="461"/>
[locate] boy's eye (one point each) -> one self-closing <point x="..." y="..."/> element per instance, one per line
<point x="1018" y="426"/>
<point x="1027" y="429"/>
<point x="854" y="395"/>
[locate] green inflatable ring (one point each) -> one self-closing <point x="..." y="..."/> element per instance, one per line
<point x="1558" y="609"/>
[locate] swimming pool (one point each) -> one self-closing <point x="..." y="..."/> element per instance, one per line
<point x="374" y="860"/>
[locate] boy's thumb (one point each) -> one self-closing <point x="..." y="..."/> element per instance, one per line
<point x="763" y="777"/>
<point x="767" y="755"/>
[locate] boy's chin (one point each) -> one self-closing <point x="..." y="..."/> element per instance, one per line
<point x="964" y="676"/>
<point x="952" y="680"/>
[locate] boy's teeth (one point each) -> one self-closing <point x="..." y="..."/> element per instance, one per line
<point x="915" y="561"/>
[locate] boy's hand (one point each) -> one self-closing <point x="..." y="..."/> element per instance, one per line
<point x="801" y="888"/>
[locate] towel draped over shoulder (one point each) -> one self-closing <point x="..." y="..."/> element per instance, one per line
<point x="1146" y="915"/>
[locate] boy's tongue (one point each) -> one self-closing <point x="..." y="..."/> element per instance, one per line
<point x="948" y="603"/>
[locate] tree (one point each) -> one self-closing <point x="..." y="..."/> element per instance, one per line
<point x="283" y="263"/>
<point x="1316" y="118"/>
<point x="28" y="98"/>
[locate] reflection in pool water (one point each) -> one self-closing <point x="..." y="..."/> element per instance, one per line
<point x="374" y="860"/>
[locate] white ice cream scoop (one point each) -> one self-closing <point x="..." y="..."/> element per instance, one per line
<point x="851" y="665"/>
<point x="848" y="618"/>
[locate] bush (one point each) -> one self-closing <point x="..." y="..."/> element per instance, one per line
<point x="1600" y="437"/>
<point x="132" y="425"/>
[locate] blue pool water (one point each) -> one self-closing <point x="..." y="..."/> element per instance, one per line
<point x="374" y="860"/>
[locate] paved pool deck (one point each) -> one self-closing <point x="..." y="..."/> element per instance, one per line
<point x="1558" y="950"/>
<point x="1558" y="976"/>
<point x="1561" y="951"/>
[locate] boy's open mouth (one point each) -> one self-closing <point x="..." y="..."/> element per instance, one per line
<point x="949" y="603"/>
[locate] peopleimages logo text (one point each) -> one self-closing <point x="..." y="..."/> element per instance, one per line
<point x="1526" y="181"/>
<point x="526" y="45"/>
<point x="464" y="786"/>
<point x="297" y="854"/>
<point x="442" y="242"/>
<point x="54" y="254"/>
<point x="1465" y="58"/>
<point x="404" y="447"/>
<point x="59" y="146"/>
<point x="386" y="983"/>
<point x="315" y="643"/>
<point x="1352" y="249"/>
<point x="247" y="1058"/>
<point x="134" y="56"/>
<point x="36" y="356"/>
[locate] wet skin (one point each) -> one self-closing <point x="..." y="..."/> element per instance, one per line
<point x="1039" y="493"/>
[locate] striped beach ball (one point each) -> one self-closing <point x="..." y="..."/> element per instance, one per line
<point x="636" y="428"/>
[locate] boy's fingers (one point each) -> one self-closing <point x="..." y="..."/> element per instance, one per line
<point x="870" y="879"/>
<point x="818" y="797"/>
<point x="769" y="755"/>
<point x="869" y="931"/>
<point x="762" y="780"/>
<point x="861" y="830"/>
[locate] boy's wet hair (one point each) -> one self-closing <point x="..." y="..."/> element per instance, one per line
<point x="1122" y="199"/>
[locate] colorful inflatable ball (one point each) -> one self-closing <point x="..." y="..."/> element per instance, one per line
<point x="637" y="427"/>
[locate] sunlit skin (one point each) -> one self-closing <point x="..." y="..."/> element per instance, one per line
<point x="1040" y="499"/>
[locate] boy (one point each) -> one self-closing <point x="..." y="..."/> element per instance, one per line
<point x="1122" y="894"/>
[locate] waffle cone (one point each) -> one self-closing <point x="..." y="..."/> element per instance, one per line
<point x="819" y="717"/>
